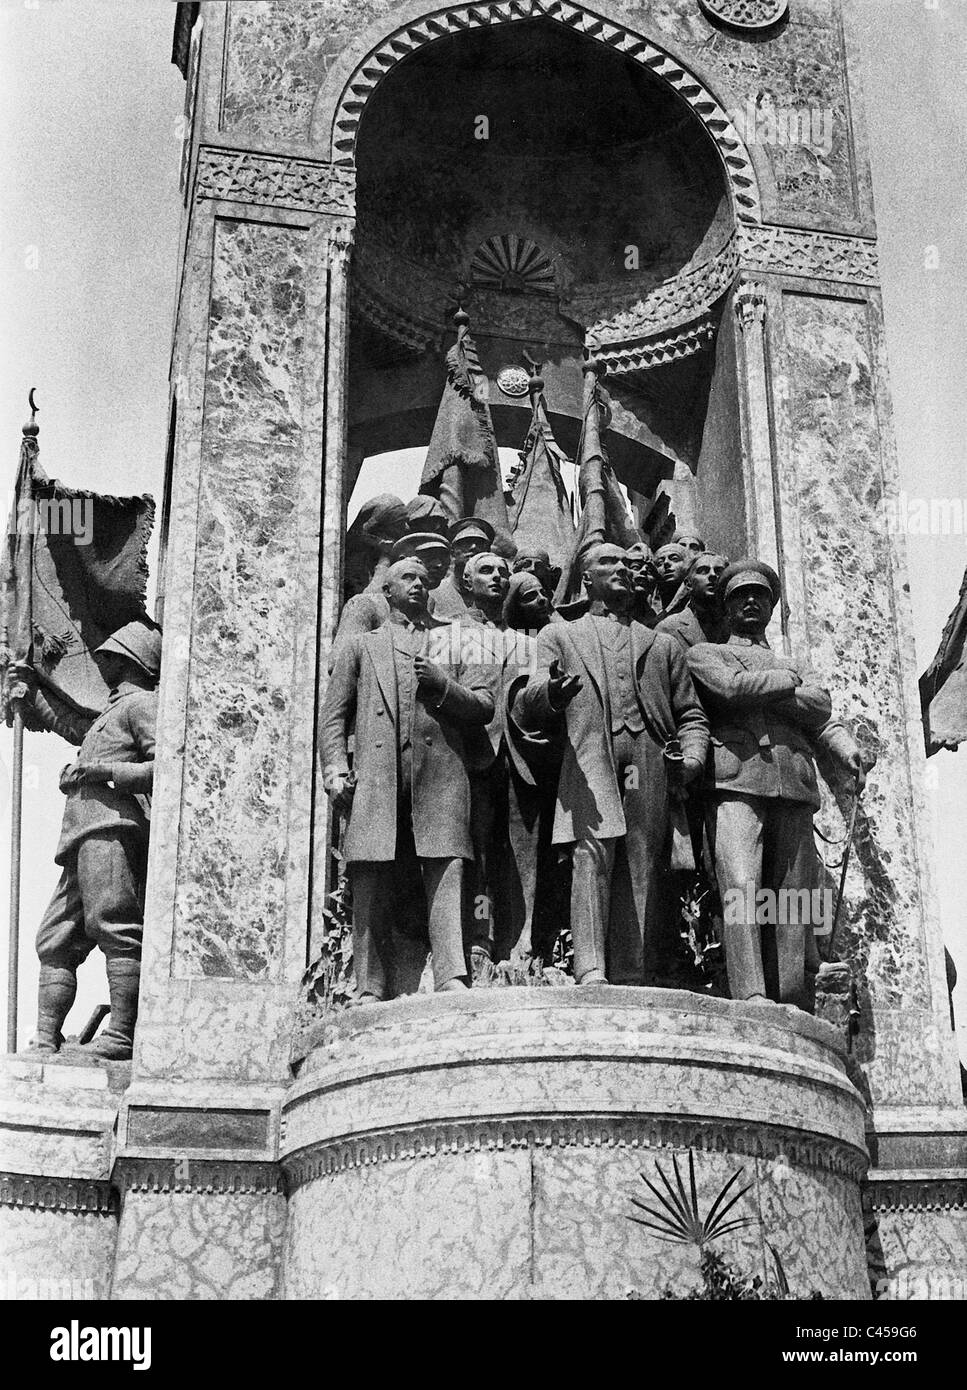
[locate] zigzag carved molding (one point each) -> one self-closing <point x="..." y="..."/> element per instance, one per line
<point x="459" y="19"/>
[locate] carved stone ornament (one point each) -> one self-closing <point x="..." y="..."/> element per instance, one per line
<point x="750" y="305"/>
<point x="512" y="263"/>
<point x="512" y="381"/>
<point x="746" y="14"/>
<point x="242" y="176"/>
<point x="458" y="19"/>
<point x="655" y="352"/>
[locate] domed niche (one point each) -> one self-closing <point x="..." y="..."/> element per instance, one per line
<point x="553" y="184"/>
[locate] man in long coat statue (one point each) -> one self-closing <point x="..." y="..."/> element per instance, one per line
<point x="624" y="694"/>
<point x="409" y="789"/>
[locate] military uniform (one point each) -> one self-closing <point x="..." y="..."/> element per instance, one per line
<point x="104" y="839"/>
<point x="103" y="848"/>
<point x="762" y="792"/>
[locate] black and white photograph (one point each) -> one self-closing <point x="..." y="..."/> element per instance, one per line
<point x="483" y="685"/>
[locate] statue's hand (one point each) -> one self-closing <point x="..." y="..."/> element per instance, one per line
<point x="88" y="774"/>
<point x="339" y="788"/>
<point x="67" y="778"/>
<point x="432" y="678"/>
<point x="22" y="671"/>
<point x="561" y="688"/>
<point x="857" y="765"/>
<point x="691" y="771"/>
<point x="789" y="663"/>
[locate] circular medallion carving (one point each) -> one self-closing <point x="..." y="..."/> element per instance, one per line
<point x="513" y="381"/>
<point x="745" y="14"/>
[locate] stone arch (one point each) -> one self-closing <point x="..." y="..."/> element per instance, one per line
<point x="339" y="106"/>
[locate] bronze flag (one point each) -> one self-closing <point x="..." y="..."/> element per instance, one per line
<point x="73" y="570"/>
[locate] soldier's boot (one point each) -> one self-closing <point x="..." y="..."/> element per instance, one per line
<point x="55" y="995"/>
<point x="115" y="1043"/>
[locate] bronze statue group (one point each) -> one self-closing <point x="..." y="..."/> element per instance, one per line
<point x="504" y="768"/>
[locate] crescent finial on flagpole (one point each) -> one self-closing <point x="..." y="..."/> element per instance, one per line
<point x="31" y="429"/>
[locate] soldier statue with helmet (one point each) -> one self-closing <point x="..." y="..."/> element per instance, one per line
<point x="99" y="900"/>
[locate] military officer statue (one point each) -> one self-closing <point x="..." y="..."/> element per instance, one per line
<point x="409" y="790"/>
<point x="768" y="716"/>
<point x="103" y="849"/>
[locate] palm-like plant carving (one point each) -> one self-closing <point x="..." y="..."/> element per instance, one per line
<point x="679" y="1218"/>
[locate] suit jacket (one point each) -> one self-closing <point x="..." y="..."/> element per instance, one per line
<point x="765" y="729"/>
<point x="363" y="687"/>
<point x="588" y="795"/>
<point x="502" y="660"/>
<point x="688" y="631"/>
<point x="446" y="600"/>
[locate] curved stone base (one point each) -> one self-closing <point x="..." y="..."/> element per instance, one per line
<point x="489" y="1145"/>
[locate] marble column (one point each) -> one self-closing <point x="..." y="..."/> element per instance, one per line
<point x="257" y="516"/>
<point x="819" y="466"/>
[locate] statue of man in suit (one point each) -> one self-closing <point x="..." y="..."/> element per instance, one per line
<point x="671" y="564"/>
<point x="409" y="791"/>
<point x="768" y="715"/>
<point x="623" y="693"/>
<point x="703" y="620"/>
<point x="468" y="537"/>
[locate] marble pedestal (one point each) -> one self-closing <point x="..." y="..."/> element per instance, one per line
<point x="489" y="1145"/>
<point x="58" y="1211"/>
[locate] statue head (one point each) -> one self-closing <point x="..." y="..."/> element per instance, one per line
<point x="426" y="514"/>
<point x="606" y="576"/>
<point x="750" y="591"/>
<point x="690" y="541"/>
<point x="638" y="558"/>
<point x="533" y="560"/>
<point x="407" y="587"/>
<point x="470" y="536"/>
<point x="485" y="580"/>
<point x="526" y="607"/>
<point x="132" y="653"/>
<point x="672" y="563"/>
<point x="430" y="547"/>
<point x="380" y="521"/>
<point x="703" y="579"/>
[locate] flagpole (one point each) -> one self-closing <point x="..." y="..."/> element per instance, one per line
<point x="28" y="452"/>
<point x="13" y="944"/>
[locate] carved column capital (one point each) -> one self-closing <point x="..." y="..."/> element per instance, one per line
<point x="750" y="304"/>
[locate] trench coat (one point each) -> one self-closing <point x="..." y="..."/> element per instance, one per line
<point x="363" y="687"/>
